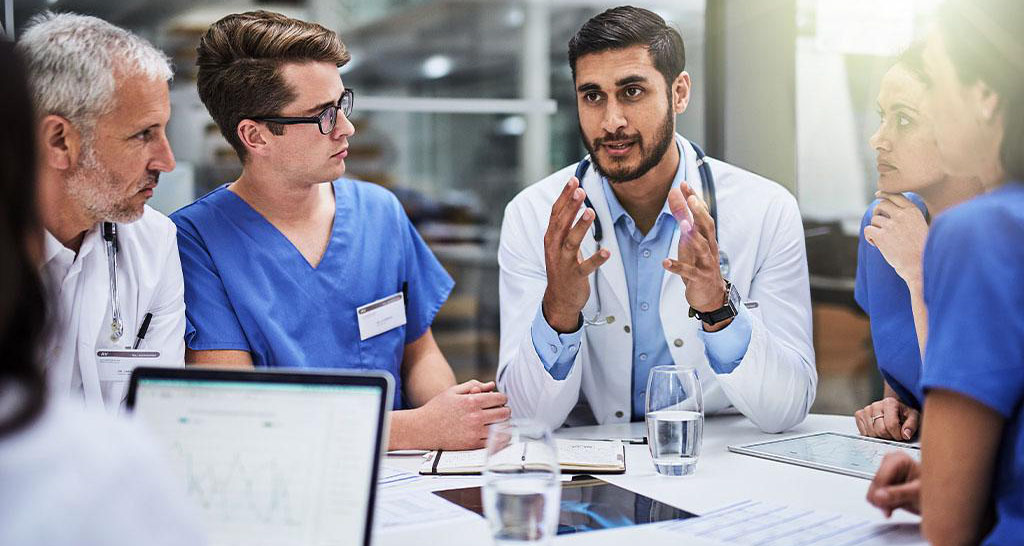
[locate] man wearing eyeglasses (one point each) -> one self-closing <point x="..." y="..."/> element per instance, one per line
<point x="292" y="265"/>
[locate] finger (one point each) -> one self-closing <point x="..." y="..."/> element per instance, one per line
<point x="891" y="418"/>
<point x="495" y="415"/>
<point x="894" y="469"/>
<point x="694" y="249"/>
<point x="886" y="208"/>
<point x="677" y="204"/>
<point x="564" y="195"/>
<point x="572" y="242"/>
<point x="878" y="425"/>
<point x="880" y="221"/>
<point x="897" y="199"/>
<point x="467" y="387"/>
<point x="486" y="400"/>
<point x="871" y="234"/>
<point x="905" y="495"/>
<point x="869" y="426"/>
<point x="569" y="211"/>
<point x="911" y="423"/>
<point x="705" y="224"/>
<point x="590" y="265"/>
<point x="858" y="417"/>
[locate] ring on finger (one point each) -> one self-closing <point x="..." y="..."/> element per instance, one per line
<point x="877" y="417"/>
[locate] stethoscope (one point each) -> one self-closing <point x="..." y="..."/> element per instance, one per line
<point x="707" y="182"/>
<point x="110" y="240"/>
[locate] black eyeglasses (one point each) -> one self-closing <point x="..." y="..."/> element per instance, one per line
<point x="326" y="119"/>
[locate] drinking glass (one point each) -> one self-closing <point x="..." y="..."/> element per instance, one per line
<point x="522" y="485"/>
<point x="675" y="419"/>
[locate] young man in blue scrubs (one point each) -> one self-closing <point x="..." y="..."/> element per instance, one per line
<point x="292" y="265"/>
<point x="970" y="484"/>
<point x="889" y="282"/>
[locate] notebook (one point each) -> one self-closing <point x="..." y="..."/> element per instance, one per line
<point x="271" y="457"/>
<point x="574" y="457"/>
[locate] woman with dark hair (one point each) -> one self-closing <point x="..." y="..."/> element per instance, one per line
<point x="68" y="476"/>
<point x="913" y="186"/>
<point x="969" y="486"/>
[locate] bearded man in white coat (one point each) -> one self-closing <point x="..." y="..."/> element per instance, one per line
<point x="605" y="276"/>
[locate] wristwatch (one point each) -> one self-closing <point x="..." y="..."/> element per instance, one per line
<point x="726" y="312"/>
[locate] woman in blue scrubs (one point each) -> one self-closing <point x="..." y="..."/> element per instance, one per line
<point x="969" y="486"/>
<point x="912" y="186"/>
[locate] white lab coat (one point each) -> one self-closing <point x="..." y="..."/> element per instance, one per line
<point x="149" y="280"/>
<point x="761" y="231"/>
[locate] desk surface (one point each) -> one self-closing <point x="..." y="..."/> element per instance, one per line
<point x="722" y="478"/>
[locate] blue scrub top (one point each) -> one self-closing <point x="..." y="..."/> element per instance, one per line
<point x="248" y="288"/>
<point x="884" y="296"/>
<point x="973" y="266"/>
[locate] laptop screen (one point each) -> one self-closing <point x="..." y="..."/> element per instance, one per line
<point x="270" y="462"/>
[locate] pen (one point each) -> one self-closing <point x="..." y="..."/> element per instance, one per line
<point x="142" y="330"/>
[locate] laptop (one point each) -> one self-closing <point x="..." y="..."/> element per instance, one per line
<point x="271" y="457"/>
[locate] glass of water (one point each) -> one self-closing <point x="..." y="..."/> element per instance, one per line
<point x="522" y="484"/>
<point x="675" y="419"/>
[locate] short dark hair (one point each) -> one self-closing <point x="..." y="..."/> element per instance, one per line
<point x="22" y="300"/>
<point x="628" y="26"/>
<point x="239" y="60"/>
<point x="985" y="41"/>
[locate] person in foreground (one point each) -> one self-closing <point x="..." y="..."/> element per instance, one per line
<point x="889" y="284"/>
<point x="71" y="476"/>
<point x="109" y="261"/>
<point x="292" y="265"/>
<point x="969" y="486"/>
<point x="583" y="320"/>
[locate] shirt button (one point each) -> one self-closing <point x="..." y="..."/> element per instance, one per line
<point x="647" y="253"/>
<point x="626" y="328"/>
<point x="619" y="414"/>
<point x="643" y="356"/>
<point x="554" y="349"/>
<point x="572" y="348"/>
<point x="678" y="342"/>
<point x="644" y="306"/>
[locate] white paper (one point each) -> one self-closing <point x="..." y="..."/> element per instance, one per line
<point x="396" y="508"/>
<point x="752" y="522"/>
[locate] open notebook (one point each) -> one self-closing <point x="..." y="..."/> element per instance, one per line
<point x="574" y="456"/>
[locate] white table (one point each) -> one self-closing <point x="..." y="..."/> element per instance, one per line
<point x="722" y="478"/>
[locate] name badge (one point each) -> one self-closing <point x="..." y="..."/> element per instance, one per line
<point x="118" y="365"/>
<point x="382" y="315"/>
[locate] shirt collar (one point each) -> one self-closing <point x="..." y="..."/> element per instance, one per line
<point x="53" y="248"/>
<point x="615" y="208"/>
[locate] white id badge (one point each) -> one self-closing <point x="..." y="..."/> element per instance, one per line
<point x="117" y="365"/>
<point x="380" y="316"/>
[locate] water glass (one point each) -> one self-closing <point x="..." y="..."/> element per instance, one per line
<point x="522" y="484"/>
<point x="675" y="419"/>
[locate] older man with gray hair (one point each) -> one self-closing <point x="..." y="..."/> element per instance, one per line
<point x="110" y="262"/>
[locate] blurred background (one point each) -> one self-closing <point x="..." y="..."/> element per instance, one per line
<point x="462" y="103"/>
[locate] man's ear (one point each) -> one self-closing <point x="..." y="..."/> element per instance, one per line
<point x="681" y="92"/>
<point x="253" y="136"/>
<point x="60" y="142"/>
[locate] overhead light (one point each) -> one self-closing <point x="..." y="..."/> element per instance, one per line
<point x="514" y="17"/>
<point x="437" y="66"/>
<point x="51" y="2"/>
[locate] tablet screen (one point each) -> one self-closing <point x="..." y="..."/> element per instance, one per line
<point x="853" y="455"/>
<point x="588" y="504"/>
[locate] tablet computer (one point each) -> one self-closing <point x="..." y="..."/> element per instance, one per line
<point x="587" y="504"/>
<point x="840" y="453"/>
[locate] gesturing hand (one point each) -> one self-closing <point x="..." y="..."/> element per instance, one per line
<point x="697" y="263"/>
<point x="568" y="290"/>
<point x="898" y="230"/>
<point x="897" y="484"/>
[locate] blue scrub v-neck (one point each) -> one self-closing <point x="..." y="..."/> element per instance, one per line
<point x="248" y="288"/>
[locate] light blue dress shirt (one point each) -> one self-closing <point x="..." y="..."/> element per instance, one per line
<point x="642" y="255"/>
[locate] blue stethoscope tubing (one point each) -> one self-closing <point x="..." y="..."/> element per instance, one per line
<point x="707" y="182"/>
